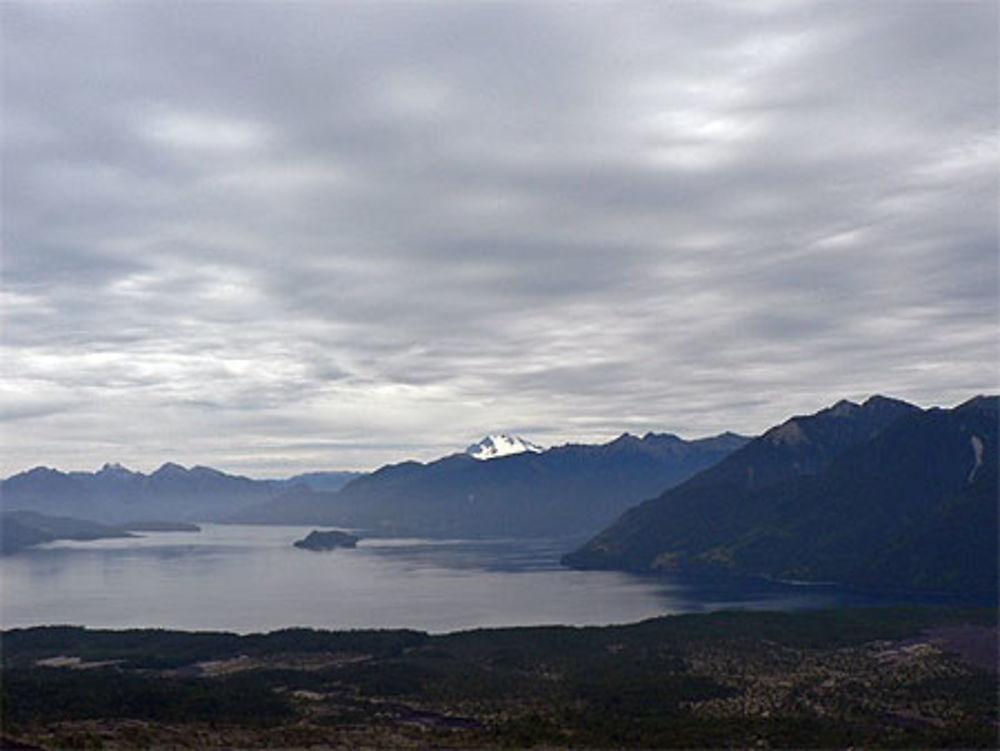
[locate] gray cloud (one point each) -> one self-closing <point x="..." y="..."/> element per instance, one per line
<point x="278" y="237"/>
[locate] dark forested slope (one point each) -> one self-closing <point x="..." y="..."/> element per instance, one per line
<point x="879" y="494"/>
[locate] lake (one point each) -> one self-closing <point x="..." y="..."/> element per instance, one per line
<point x="250" y="578"/>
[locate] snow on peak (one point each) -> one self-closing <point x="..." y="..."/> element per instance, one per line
<point x="493" y="446"/>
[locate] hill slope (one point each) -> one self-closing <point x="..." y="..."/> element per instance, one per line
<point x="25" y="529"/>
<point x="880" y="494"/>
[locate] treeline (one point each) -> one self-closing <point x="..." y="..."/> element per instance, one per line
<point x="163" y="649"/>
<point x="649" y="684"/>
<point x="36" y="695"/>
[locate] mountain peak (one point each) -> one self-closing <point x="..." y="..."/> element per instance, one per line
<point x="625" y="437"/>
<point x="494" y="446"/>
<point x="843" y="408"/>
<point x="877" y="401"/>
<point x="171" y="468"/>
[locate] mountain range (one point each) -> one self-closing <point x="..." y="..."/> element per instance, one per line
<point x="521" y="490"/>
<point x="566" y="490"/>
<point x="880" y="494"/>
<point x="115" y="494"/>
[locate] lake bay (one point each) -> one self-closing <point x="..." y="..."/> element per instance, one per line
<point x="249" y="578"/>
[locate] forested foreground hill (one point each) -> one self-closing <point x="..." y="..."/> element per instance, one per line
<point x="896" y="677"/>
<point x="880" y="494"/>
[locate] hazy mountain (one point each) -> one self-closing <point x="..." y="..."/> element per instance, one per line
<point x="571" y="489"/>
<point x="23" y="529"/>
<point x="636" y="468"/>
<point x="115" y="494"/>
<point x="879" y="494"/>
<point x="495" y="446"/>
<point x="329" y="481"/>
<point x="16" y="535"/>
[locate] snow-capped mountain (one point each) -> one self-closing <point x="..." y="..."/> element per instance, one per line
<point x="493" y="446"/>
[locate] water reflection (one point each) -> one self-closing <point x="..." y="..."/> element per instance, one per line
<point x="506" y="555"/>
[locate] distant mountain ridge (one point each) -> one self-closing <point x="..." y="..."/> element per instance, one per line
<point x="880" y="494"/>
<point x="805" y="444"/>
<point x="115" y="494"/>
<point x="572" y="489"/>
<point x="332" y="481"/>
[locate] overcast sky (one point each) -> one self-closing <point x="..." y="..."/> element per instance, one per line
<point x="280" y="236"/>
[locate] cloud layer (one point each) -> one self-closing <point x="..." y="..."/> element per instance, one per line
<point x="272" y="236"/>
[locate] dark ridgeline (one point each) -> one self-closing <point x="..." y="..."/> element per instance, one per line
<point x="882" y="494"/>
<point x="571" y="489"/>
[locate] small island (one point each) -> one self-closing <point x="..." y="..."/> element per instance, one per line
<point x="331" y="540"/>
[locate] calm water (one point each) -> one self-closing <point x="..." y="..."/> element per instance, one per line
<point x="250" y="578"/>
